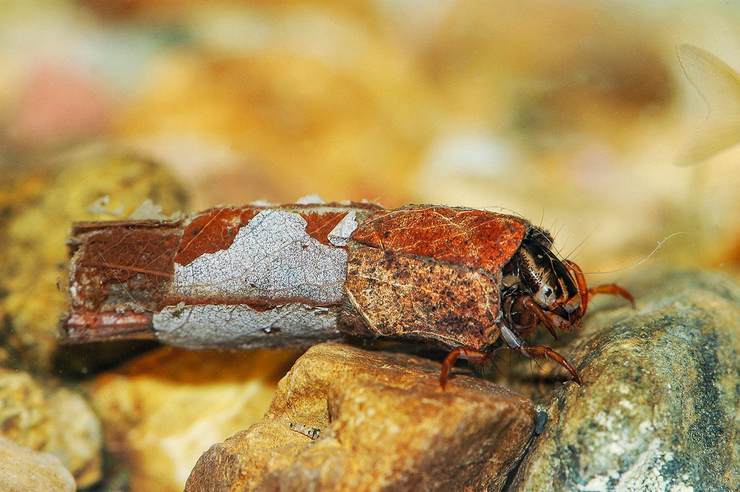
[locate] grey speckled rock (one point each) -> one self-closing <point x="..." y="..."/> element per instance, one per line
<point x="659" y="408"/>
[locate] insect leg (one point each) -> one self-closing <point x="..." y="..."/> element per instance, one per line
<point x="577" y="273"/>
<point x="545" y="351"/>
<point x="516" y="343"/>
<point x="586" y="294"/>
<point x="471" y="355"/>
<point x="612" y="289"/>
<point x="551" y="321"/>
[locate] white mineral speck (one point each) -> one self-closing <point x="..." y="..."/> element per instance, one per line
<point x="596" y="484"/>
<point x="343" y="230"/>
<point x="627" y="404"/>
<point x="261" y="203"/>
<point x="310" y="200"/>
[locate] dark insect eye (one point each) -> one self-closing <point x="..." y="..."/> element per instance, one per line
<point x="548" y="291"/>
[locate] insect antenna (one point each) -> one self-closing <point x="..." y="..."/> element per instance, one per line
<point x="555" y="238"/>
<point x="577" y="247"/>
<point x="542" y="216"/>
<point x="642" y="260"/>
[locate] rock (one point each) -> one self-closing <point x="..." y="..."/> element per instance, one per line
<point x="658" y="410"/>
<point x="161" y="410"/>
<point x="18" y="189"/>
<point x="382" y="422"/>
<point x="25" y="470"/>
<point x="33" y="260"/>
<point x="54" y="420"/>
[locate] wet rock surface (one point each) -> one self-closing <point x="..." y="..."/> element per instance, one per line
<point x="161" y="410"/>
<point x="348" y="419"/>
<point x="25" y="470"/>
<point x="658" y="410"/>
<point x="58" y="421"/>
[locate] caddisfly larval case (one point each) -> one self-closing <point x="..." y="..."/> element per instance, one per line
<point x="237" y="276"/>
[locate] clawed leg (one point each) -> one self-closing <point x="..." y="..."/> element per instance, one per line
<point x="551" y="320"/>
<point x="587" y="294"/>
<point x="612" y="289"/>
<point x="516" y="343"/>
<point x="547" y="352"/>
<point x="471" y="355"/>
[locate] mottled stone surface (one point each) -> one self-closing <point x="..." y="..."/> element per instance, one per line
<point x="659" y="407"/>
<point x="33" y="260"/>
<point x="383" y="423"/>
<point x="25" y="470"/>
<point x="162" y="410"/>
<point x="55" y="420"/>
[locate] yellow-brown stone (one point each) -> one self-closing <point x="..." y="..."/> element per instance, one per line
<point x="383" y="424"/>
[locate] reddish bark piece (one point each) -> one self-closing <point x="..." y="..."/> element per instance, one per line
<point x="211" y="231"/>
<point x="474" y="238"/>
<point x="319" y="225"/>
<point x="124" y="264"/>
<point x="91" y="326"/>
<point x="215" y="229"/>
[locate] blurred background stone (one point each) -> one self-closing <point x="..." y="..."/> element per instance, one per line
<point x="40" y="209"/>
<point x="658" y="410"/>
<point x="25" y="470"/>
<point x="54" y="420"/>
<point x="161" y="410"/>
<point x="383" y="423"/>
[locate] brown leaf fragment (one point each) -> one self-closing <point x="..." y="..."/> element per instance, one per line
<point x="211" y="231"/>
<point x="419" y="298"/>
<point x="474" y="238"/>
<point x="83" y="326"/>
<point x="123" y="266"/>
<point x="319" y="225"/>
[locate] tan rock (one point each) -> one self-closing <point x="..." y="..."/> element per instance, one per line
<point x="18" y="189"/>
<point x="34" y="255"/>
<point x="54" y="420"/>
<point x="383" y="424"/>
<point x="161" y="410"/>
<point x="78" y="441"/>
<point x="25" y="470"/>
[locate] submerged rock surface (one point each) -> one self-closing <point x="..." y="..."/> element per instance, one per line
<point x="348" y="419"/>
<point x="659" y="407"/>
